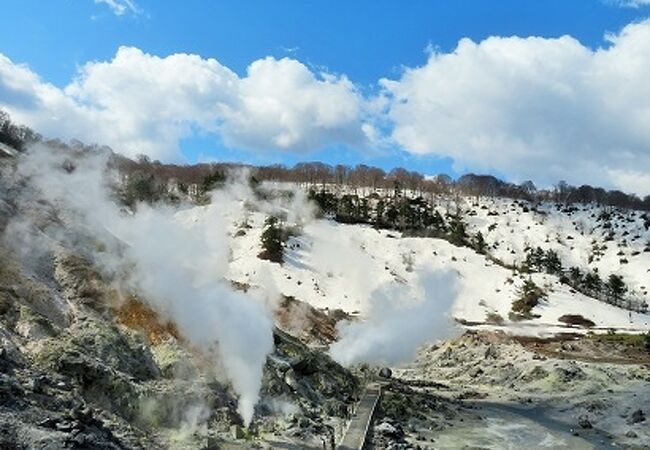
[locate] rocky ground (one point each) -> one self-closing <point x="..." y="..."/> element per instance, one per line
<point x="84" y="380"/>
<point x="509" y="393"/>
<point x="78" y="372"/>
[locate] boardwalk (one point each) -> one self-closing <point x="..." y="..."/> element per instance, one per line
<point x="355" y="437"/>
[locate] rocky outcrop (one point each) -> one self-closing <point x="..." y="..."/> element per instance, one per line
<point x="76" y="373"/>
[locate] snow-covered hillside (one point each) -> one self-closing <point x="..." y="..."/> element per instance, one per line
<point x="336" y="266"/>
<point x="618" y="244"/>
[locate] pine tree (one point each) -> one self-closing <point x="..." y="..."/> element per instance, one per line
<point x="593" y="284"/>
<point x="272" y="241"/>
<point x="457" y="232"/>
<point x="528" y="296"/>
<point x="140" y="187"/>
<point x="616" y="287"/>
<point x="392" y="214"/>
<point x="326" y="201"/>
<point x="407" y="216"/>
<point x="212" y="181"/>
<point x="379" y="213"/>
<point x="364" y="212"/>
<point x="347" y="209"/>
<point x="575" y="275"/>
<point x="535" y="259"/>
<point x="479" y="243"/>
<point x="437" y="222"/>
<point x="552" y="262"/>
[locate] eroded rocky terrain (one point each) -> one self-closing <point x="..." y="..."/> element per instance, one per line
<point x="571" y="392"/>
<point x="87" y="364"/>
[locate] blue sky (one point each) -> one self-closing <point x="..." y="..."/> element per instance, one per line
<point x="366" y="39"/>
<point x="363" y="40"/>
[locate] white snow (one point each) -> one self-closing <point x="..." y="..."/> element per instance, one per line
<point x="331" y="265"/>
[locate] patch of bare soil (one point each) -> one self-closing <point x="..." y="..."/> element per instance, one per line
<point x="136" y="315"/>
<point x="615" y="349"/>
<point x="309" y="324"/>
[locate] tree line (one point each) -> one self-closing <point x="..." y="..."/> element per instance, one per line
<point x="153" y="177"/>
<point x="612" y="290"/>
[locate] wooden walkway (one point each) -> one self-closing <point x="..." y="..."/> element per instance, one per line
<point x="357" y="433"/>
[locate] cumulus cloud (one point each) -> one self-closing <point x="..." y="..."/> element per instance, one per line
<point x="535" y="108"/>
<point x="141" y="103"/>
<point x="532" y="108"/>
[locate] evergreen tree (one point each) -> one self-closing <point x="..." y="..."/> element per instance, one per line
<point x="347" y="209"/>
<point x="457" y="232"/>
<point x="406" y="215"/>
<point x="326" y="201"/>
<point x="593" y="284"/>
<point x="364" y="211"/>
<point x="552" y="262"/>
<point x="437" y="222"/>
<point x="528" y="296"/>
<point x="616" y="287"/>
<point x="392" y="214"/>
<point x="212" y="181"/>
<point x="272" y="241"/>
<point x="379" y="213"/>
<point x="140" y="187"/>
<point x="535" y="259"/>
<point x="479" y="243"/>
<point x="575" y="276"/>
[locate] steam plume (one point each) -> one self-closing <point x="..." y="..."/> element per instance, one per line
<point x="178" y="266"/>
<point x="400" y="320"/>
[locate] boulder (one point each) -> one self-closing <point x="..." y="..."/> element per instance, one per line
<point x="584" y="423"/>
<point x="636" y="417"/>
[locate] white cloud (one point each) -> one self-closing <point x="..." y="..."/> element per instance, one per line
<point x="139" y="103"/>
<point x="120" y="7"/>
<point x="635" y="180"/>
<point x="281" y="104"/>
<point x="544" y="109"/>
<point x="630" y="3"/>
<point x="527" y="108"/>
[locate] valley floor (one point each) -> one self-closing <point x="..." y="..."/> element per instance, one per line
<point x="514" y="393"/>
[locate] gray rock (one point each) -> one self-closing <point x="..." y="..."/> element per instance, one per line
<point x="569" y="373"/>
<point x="491" y="352"/>
<point x="584" y="422"/>
<point x="636" y="417"/>
<point x="386" y="429"/>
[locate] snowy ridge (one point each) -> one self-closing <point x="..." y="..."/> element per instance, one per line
<point x="572" y="234"/>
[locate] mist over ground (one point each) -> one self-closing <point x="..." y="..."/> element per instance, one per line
<point x="400" y="320"/>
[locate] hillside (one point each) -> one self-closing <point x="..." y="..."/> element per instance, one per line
<point x="339" y="266"/>
<point x="256" y="316"/>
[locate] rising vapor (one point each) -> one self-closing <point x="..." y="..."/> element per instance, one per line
<point x="178" y="267"/>
<point x="400" y="320"/>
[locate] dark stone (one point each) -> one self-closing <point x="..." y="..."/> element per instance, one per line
<point x="584" y="423"/>
<point x="636" y="417"/>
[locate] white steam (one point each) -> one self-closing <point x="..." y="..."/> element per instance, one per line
<point x="399" y="322"/>
<point x="178" y="266"/>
